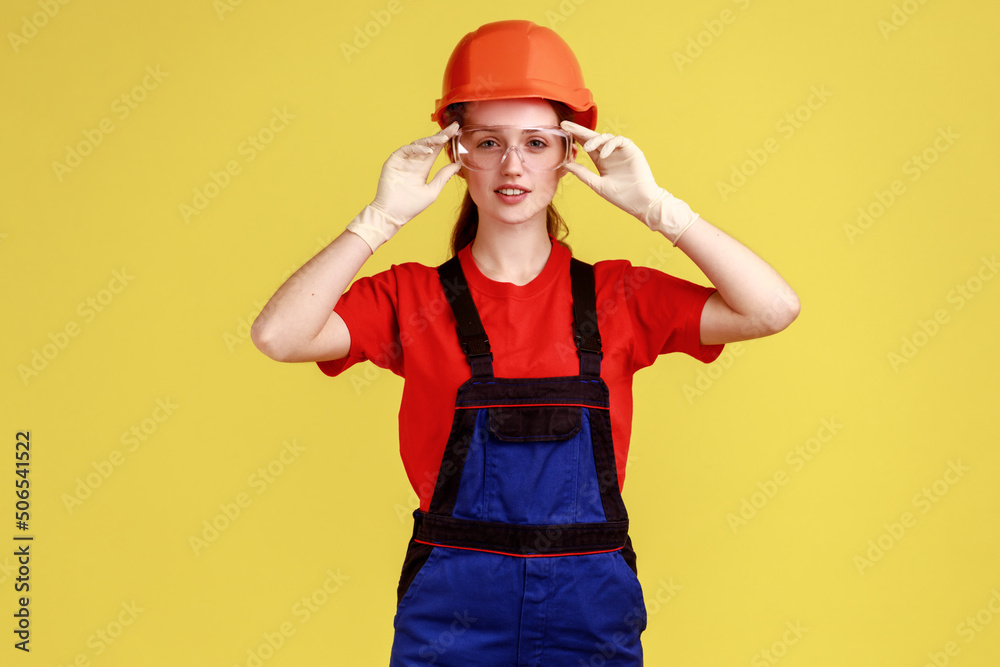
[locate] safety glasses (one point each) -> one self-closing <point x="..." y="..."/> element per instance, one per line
<point x="540" y="148"/>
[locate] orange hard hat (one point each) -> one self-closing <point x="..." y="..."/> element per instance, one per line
<point x="511" y="59"/>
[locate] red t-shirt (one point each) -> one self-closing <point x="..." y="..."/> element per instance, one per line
<point x="400" y="320"/>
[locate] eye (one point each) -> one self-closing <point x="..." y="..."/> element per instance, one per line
<point x="537" y="143"/>
<point x="487" y="143"/>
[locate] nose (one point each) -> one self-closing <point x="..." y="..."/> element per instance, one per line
<point x="508" y="163"/>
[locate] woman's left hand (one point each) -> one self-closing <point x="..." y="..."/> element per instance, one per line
<point x="625" y="178"/>
<point x="626" y="181"/>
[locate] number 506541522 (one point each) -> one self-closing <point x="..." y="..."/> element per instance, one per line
<point x="22" y="454"/>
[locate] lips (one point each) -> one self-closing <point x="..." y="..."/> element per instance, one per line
<point x="510" y="189"/>
<point x="512" y="194"/>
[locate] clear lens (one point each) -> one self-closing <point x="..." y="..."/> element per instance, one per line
<point x="540" y="148"/>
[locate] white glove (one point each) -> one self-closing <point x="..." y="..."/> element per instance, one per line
<point x="626" y="181"/>
<point x="403" y="191"/>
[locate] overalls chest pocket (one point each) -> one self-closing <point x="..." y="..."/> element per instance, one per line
<point x="530" y="464"/>
<point x="535" y="423"/>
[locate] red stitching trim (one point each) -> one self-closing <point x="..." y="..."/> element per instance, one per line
<point x="504" y="553"/>
<point x="531" y="405"/>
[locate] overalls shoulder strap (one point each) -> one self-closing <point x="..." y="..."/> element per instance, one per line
<point x="586" y="333"/>
<point x="471" y="334"/>
<point x="476" y="344"/>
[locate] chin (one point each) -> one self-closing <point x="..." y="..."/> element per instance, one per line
<point x="523" y="213"/>
<point x="513" y="219"/>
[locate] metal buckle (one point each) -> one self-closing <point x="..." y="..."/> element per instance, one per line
<point x="590" y="344"/>
<point x="476" y="346"/>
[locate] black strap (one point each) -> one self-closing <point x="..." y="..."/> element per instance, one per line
<point x="586" y="333"/>
<point x="471" y="335"/>
<point x="520" y="539"/>
<point x="604" y="462"/>
<point x="456" y="451"/>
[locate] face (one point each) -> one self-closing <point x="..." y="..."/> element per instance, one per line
<point x="491" y="189"/>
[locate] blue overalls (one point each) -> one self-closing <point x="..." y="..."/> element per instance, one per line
<point x="523" y="557"/>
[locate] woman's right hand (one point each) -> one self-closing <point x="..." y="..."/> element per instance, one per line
<point x="403" y="191"/>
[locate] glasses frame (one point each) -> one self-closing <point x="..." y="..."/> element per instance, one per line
<point x="567" y="158"/>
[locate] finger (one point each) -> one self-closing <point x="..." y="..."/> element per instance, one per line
<point x="414" y="151"/>
<point x="436" y="143"/>
<point x="595" y="142"/>
<point x="579" y="132"/>
<point x="443" y="176"/>
<point x="584" y="174"/>
<point x="443" y="138"/>
<point x="440" y="138"/>
<point x="614" y="144"/>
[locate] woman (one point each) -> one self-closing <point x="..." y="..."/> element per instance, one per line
<point x="518" y="359"/>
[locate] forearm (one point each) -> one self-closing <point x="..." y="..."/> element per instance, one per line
<point x="299" y="310"/>
<point x="758" y="302"/>
<point x="752" y="300"/>
<point x="298" y="323"/>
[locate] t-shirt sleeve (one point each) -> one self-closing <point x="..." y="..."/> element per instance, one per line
<point x="369" y="309"/>
<point x="665" y="313"/>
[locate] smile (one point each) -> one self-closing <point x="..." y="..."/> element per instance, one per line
<point x="511" y="191"/>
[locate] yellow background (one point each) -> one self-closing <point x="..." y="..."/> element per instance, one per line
<point x="707" y="438"/>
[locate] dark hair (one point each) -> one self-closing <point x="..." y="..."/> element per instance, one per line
<point x="467" y="224"/>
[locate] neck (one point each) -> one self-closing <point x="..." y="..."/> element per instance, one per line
<point x="511" y="253"/>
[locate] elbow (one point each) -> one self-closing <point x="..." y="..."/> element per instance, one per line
<point x="775" y="317"/>
<point x="265" y="340"/>
<point x="283" y="341"/>
<point x="783" y="312"/>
